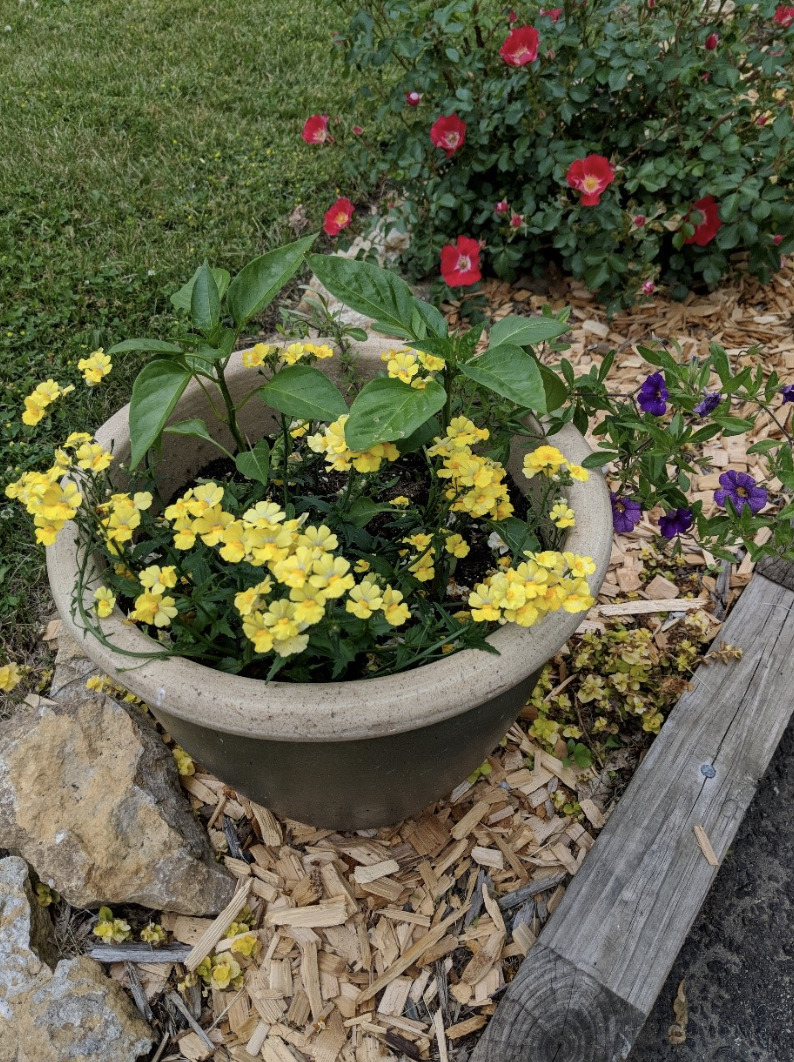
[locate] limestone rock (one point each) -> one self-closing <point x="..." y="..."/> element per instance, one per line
<point x="90" y="796"/>
<point x="80" y="1015"/>
<point x="26" y="950"/>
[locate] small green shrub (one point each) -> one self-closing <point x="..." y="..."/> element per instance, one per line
<point x="679" y="111"/>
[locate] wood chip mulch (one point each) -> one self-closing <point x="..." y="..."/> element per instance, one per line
<point x="396" y="943"/>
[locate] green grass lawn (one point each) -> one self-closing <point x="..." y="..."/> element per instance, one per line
<point x="137" y="138"/>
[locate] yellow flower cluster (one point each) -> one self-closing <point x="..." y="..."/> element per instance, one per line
<point x="95" y="367"/>
<point x="244" y="942"/>
<point x="338" y="456"/>
<point x="548" y="460"/>
<point x="154" y="934"/>
<point x="120" y="515"/>
<point x="184" y="761"/>
<point x="292" y="354"/>
<point x="220" y="971"/>
<point x="477" y="484"/>
<point x="49" y="502"/>
<point x="545" y="582"/>
<point x="405" y="365"/>
<point x="422" y="566"/>
<point x="10" y="677"/>
<point x="43" y="396"/>
<point x="562" y="515"/>
<point x="300" y="559"/>
<point x="111" y="930"/>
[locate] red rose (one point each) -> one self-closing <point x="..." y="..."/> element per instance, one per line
<point x="784" y="16"/>
<point x="648" y="287"/>
<point x="338" y="217"/>
<point x="516" y="221"/>
<point x="460" y="262"/>
<point x="315" y="131"/>
<point x="501" y="207"/>
<point x="521" y="46"/>
<point x="448" y="133"/>
<point x="704" y="215"/>
<point x="512" y="17"/>
<point x="553" y="13"/>
<point x="711" y="42"/>
<point x="357" y="130"/>
<point x="413" y="99"/>
<point x="639" y="220"/>
<point x="590" y="176"/>
<point x="777" y="240"/>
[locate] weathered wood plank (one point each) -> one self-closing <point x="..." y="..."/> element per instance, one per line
<point x="777" y="570"/>
<point x="611" y="943"/>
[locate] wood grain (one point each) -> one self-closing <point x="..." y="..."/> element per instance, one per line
<point x="586" y="988"/>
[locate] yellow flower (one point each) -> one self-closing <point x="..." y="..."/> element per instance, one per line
<point x="400" y="501"/>
<point x="320" y="352"/>
<point x="248" y="600"/>
<point x="154" y="608"/>
<point x="244" y="944"/>
<point x="562" y="515"/>
<point x="154" y="934"/>
<point x="77" y="438"/>
<point x="42" y="396"/>
<point x="95" y="367"/>
<point x="225" y="970"/>
<point x="105" y="602"/>
<point x="10" y="677"/>
<point x="364" y="599"/>
<point x="361" y="566"/>
<point x="332" y="575"/>
<point x="455" y="545"/>
<point x="395" y="611"/>
<point x="92" y="457"/>
<point x="255" y="357"/>
<point x="157" y="579"/>
<point x="545" y="459"/>
<point x="184" y="761"/>
<point x="402" y="365"/>
<point x="111" y="930"/>
<point x="578" y="473"/>
<point x="431" y="362"/>
<point x="309" y="604"/>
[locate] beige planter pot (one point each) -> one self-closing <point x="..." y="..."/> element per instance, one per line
<point x="348" y="755"/>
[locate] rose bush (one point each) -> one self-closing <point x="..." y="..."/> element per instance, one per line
<point x="582" y="119"/>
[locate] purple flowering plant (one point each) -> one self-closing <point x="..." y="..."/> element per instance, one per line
<point x="652" y="447"/>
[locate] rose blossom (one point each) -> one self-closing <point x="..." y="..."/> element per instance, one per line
<point x="711" y="42"/>
<point x="648" y="287"/>
<point x="413" y="99"/>
<point x="501" y="207"/>
<point x="448" y="133"/>
<point x="590" y="176"/>
<point x="357" y="130"/>
<point x="338" y="217"/>
<point x="521" y="46"/>
<point x="704" y="215"/>
<point x="315" y="130"/>
<point x="516" y="221"/>
<point x="784" y="16"/>
<point x="639" y="220"/>
<point x="460" y="262"/>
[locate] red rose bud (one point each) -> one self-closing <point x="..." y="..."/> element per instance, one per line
<point x="553" y="13"/>
<point x="784" y="16"/>
<point x="512" y="17"/>
<point x="357" y="130"/>
<point x="639" y="220"/>
<point x="648" y="287"/>
<point x="590" y="176"/>
<point x="704" y="215"/>
<point x="501" y="207"/>
<point x="711" y="42"/>
<point x="338" y="217"/>
<point x="521" y="46"/>
<point x="460" y="262"/>
<point x="413" y="99"/>
<point x="516" y="221"/>
<point x="315" y="130"/>
<point x="448" y="133"/>
<point x="762" y="119"/>
<point x="777" y="240"/>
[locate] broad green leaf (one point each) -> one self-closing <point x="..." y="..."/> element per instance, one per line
<point x="180" y="300"/>
<point x="258" y="283"/>
<point x="556" y="392"/>
<point x="151" y="346"/>
<point x="157" y="389"/>
<point x="304" y="392"/>
<point x="424" y="434"/>
<point x="526" y="331"/>
<point x="367" y="289"/>
<point x="387" y="409"/>
<point x="516" y="535"/>
<point x="433" y="319"/>
<point x="194" y="427"/>
<point x="205" y="302"/>
<point x="362" y="510"/>
<point x="510" y="372"/>
<point x="255" y="464"/>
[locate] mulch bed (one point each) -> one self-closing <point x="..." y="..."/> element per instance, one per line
<point x="397" y="942"/>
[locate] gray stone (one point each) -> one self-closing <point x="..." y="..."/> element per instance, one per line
<point x="26" y="948"/>
<point x="90" y="797"/>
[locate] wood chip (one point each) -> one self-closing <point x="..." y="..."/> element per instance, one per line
<point x="365" y="874"/>
<point x="472" y="817"/>
<point x="466" y="1028"/>
<point x="216" y="930"/>
<point x="325" y="913"/>
<point x="705" y="846"/>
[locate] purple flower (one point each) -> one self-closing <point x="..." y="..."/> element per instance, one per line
<point x="675" y="523"/>
<point x="653" y="395"/>
<point x="709" y="402"/>
<point x="625" y="513"/>
<point x="787" y="391"/>
<point x="742" y="490"/>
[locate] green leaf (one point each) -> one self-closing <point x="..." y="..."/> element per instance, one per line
<point x="421" y="437"/>
<point x="555" y="389"/>
<point x="151" y="346"/>
<point x="194" y="427"/>
<point x="258" y="283"/>
<point x="719" y="359"/>
<point x="516" y="535"/>
<point x="255" y="464"/>
<point x="180" y="300"/>
<point x="510" y="372"/>
<point x="387" y="409"/>
<point x="375" y="292"/>
<point x="205" y="302"/>
<point x="304" y="392"/>
<point x="157" y="389"/>
<point x="433" y="319"/>
<point x="526" y="331"/>
<point x="362" y="510"/>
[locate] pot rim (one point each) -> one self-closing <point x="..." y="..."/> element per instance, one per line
<point x="321" y="711"/>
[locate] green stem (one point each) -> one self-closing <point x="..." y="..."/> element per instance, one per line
<point x="231" y="418"/>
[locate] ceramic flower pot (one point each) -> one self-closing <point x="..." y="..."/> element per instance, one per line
<point x="347" y="755"/>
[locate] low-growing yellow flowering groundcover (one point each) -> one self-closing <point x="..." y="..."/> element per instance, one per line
<point x="370" y="536"/>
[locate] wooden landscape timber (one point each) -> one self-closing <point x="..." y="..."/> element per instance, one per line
<point x="587" y="986"/>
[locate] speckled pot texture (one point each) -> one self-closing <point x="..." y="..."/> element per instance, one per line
<point x="346" y="755"/>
